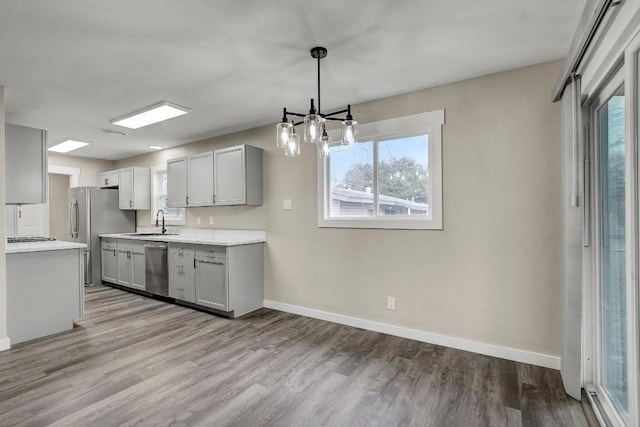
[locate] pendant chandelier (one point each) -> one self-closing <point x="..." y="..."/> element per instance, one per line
<point x="315" y="131"/>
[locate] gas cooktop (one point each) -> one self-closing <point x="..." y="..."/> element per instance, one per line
<point x="29" y="239"/>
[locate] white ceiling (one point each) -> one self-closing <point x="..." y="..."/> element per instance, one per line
<point x="70" y="66"/>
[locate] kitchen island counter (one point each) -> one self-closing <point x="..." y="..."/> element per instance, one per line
<point x="45" y="288"/>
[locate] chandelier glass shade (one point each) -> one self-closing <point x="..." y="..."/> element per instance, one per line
<point x="314" y="123"/>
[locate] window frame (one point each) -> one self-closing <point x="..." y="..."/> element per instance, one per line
<point x="429" y="123"/>
<point x="155" y="186"/>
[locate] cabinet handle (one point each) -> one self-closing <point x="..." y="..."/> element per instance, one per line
<point x="114" y="252"/>
<point x="194" y="263"/>
<point x="106" y="181"/>
<point x="130" y="203"/>
<point x="187" y="200"/>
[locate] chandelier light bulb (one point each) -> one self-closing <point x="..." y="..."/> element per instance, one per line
<point x="323" y="146"/>
<point x="313" y="128"/>
<point x="283" y="133"/>
<point x="292" y="147"/>
<point x="349" y="132"/>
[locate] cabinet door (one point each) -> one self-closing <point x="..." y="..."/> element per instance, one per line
<point x="230" y="176"/>
<point x="125" y="189"/>
<point x="138" y="277"/>
<point x="32" y="220"/>
<point x="25" y="168"/>
<point x="201" y="179"/>
<point x="110" y="264"/>
<point x="211" y="284"/>
<point x="177" y="183"/>
<point x="124" y="267"/>
<point x="112" y="178"/>
<point x="103" y="179"/>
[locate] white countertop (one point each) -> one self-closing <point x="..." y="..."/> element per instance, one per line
<point x="52" y="245"/>
<point x="200" y="236"/>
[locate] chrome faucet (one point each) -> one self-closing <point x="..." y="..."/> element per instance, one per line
<point x="164" y="230"/>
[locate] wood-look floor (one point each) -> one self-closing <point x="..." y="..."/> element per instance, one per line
<point x="138" y="361"/>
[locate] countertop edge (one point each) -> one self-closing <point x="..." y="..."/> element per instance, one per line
<point x="185" y="239"/>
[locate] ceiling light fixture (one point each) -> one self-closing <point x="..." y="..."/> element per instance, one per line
<point x="113" y="132"/>
<point x="155" y="147"/>
<point x="149" y="115"/>
<point x="315" y="131"/>
<point x="68" y="145"/>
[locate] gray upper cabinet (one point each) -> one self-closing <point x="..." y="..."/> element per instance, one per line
<point x="25" y="165"/>
<point x="177" y="183"/>
<point x="133" y="188"/>
<point x="200" y="179"/>
<point x="229" y="176"/>
<point x="238" y="176"/>
<point x="108" y="179"/>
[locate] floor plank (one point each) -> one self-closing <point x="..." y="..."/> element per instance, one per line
<point x="137" y="361"/>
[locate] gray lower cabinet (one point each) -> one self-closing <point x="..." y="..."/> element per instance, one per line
<point x="230" y="279"/>
<point x="212" y="281"/>
<point x="182" y="279"/>
<point x="227" y="279"/>
<point x="109" y="260"/>
<point x="131" y="268"/>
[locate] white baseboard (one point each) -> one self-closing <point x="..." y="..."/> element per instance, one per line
<point x="5" y="343"/>
<point x="516" y="355"/>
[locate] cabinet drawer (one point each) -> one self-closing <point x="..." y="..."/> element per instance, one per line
<point x="180" y="266"/>
<point x="182" y="249"/>
<point x="211" y="251"/>
<point x="109" y="244"/>
<point x="182" y="288"/>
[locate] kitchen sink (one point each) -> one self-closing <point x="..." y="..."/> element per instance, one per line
<point x="151" y="234"/>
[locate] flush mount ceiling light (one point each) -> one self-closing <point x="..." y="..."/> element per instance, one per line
<point x="153" y="114"/>
<point x="155" y="147"/>
<point x="68" y="145"/>
<point x="315" y="131"/>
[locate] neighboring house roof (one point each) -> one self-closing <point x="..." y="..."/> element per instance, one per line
<point x="355" y="196"/>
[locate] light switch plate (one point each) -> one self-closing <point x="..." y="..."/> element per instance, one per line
<point x="210" y="219"/>
<point x="198" y="220"/>
<point x="391" y="303"/>
<point x="286" y="204"/>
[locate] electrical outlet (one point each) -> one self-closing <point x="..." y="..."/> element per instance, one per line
<point x="391" y="303"/>
<point x="198" y="220"/>
<point x="210" y="219"/>
<point x="286" y="204"/>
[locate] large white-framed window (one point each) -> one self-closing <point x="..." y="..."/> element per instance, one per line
<point x="172" y="216"/>
<point x="392" y="178"/>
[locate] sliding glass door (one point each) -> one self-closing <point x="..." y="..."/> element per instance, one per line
<point x="610" y="117"/>
<point x="613" y="320"/>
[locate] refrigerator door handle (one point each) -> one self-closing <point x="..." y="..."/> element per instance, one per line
<point x="70" y="218"/>
<point x="77" y="231"/>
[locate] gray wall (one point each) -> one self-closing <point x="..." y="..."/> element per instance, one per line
<point x="3" y="259"/>
<point x="89" y="168"/>
<point x="494" y="274"/>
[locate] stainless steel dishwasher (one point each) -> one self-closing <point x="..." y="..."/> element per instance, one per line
<point x="155" y="260"/>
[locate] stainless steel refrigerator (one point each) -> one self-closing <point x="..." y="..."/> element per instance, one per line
<point x="94" y="211"/>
